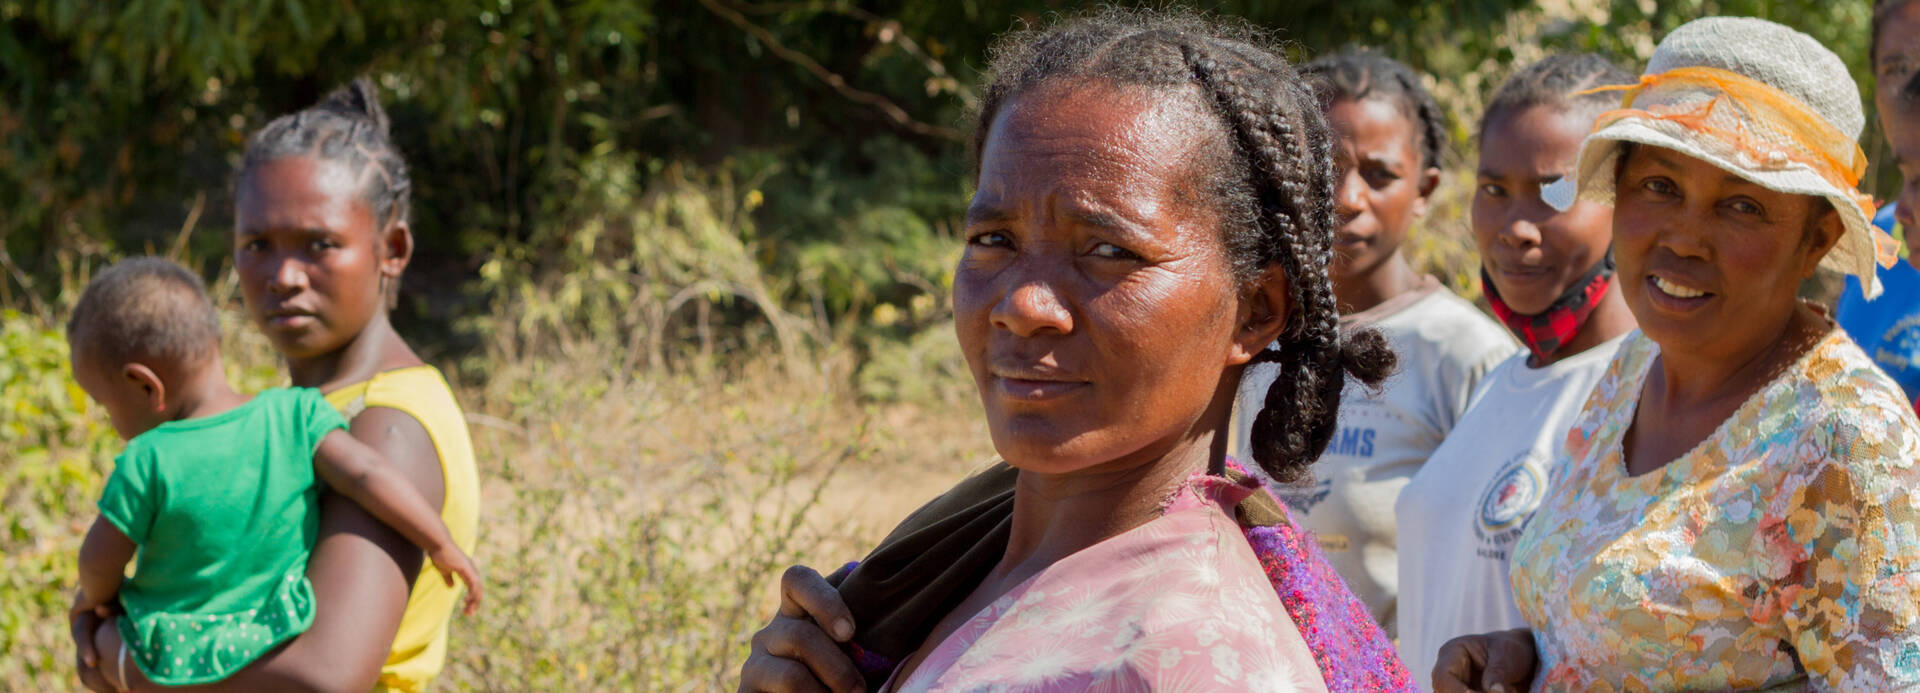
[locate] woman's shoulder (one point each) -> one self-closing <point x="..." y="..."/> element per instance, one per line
<point x="1169" y="601"/>
<point x="1201" y="590"/>
<point x="408" y="388"/>
<point x="1610" y="404"/>
<point x="1443" y="327"/>
<point x="1351" y="650"/>
<point x="1849" y="410"/>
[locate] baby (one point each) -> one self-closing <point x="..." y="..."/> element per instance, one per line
<point x="217" y="491"/>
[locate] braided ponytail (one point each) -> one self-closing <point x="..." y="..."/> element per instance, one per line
<point x="1298" y="417"/>
<point x="1273" y="181"/>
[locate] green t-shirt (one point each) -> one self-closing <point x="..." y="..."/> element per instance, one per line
<point x="225" y="510"/>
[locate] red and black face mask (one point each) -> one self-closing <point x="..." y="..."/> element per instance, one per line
<point x="1545" y="333"/>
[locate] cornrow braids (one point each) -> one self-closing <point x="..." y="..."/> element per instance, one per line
<point x="1883" y="11"/>
<point x="1558" y="80"/>
<point x="1357" y="74"/>
<point x="1269" y="172"/>
<point x="349" y="127"/>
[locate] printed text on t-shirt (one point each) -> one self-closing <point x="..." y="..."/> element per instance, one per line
<point x="1352" y="442"/>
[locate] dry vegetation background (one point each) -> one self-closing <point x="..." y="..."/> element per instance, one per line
<point x="636" y="505"/>
<point x="684" y="370"/>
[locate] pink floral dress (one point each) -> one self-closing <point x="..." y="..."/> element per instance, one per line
<point x="1177" y="604"/>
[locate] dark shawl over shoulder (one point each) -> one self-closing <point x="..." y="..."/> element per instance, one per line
<point x="935" y="558"/>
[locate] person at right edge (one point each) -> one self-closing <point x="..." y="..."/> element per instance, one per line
<point x="1736" y="510"/>
<point x="1888" y="327"/>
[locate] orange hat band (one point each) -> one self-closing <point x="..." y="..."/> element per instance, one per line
<point x="1766" y="126"/>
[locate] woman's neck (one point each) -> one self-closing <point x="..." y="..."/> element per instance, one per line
<point x="1609" y="319"/>
<point x="1057" y="515"/>
<point x="1695" y="379"/>
<point x="376" y="349"/>
<point x="1687" y="397"/>
<point x="1361" y="292"/>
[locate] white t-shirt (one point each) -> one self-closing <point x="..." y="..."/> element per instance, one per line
<point x="1467" y="506"/>
<point x="1445" y="345"/>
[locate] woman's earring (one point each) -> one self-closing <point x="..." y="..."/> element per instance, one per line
<point x="389" y="298"/>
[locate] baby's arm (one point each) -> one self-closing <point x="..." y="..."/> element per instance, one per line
<point x="361" y="474"/>
<point x="103" y="565"/>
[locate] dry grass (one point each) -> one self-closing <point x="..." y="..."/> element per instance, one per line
<point x="633" y="522"/>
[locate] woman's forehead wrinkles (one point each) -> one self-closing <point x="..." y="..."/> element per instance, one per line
<point x="1095" y="155"/>
<point x="1105" y="113"/>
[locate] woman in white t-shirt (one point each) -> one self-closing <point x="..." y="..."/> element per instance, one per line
<point x="1388" y="137"/>
<point x="1548" y="272"/>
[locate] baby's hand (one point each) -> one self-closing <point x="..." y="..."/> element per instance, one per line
<point x="451" y="561"/>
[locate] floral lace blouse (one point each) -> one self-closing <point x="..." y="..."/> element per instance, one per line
<point x="1783" y="551"/>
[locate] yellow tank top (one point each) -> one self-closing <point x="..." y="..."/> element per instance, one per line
<point x="420" y="647"/>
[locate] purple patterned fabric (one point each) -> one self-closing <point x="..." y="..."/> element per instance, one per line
<point x="1352" y="651"/>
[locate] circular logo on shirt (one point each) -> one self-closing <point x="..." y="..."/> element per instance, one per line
<point x="1505" y="503"/>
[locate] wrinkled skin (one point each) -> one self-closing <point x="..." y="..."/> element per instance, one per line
<point x="1686" y="221"/>
<point x="1099" y="316"/>
<point x="1498" y="662"/>
<point x="1095" y="303"/>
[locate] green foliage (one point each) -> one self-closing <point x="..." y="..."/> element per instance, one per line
<point x="837" y="122"/>
<point x="53" y="448"/>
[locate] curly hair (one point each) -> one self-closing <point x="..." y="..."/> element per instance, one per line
<point x="1270" y="176"/>
<point x="349" y="127"/>
<point x="1357" y="74"/>
<point x="1559" y="80"/>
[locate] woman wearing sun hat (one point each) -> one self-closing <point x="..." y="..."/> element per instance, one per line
<point x="1736" y="510"/>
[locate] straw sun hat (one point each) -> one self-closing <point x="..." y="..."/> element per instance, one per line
<point x="1761" y="101"/>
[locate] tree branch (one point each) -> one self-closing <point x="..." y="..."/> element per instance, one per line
<point x="839" y="84"/>
<point x="890" y="32"/>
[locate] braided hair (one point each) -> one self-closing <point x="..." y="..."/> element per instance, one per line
<point x="1558" y="80"/>
<point x="348" y="127"/>
<point x="1883" y="11"/>
<point x="1357" y="74"/>
<point x="1270" y="175"/>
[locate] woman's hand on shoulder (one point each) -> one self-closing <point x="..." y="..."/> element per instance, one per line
<point x="794" y="652"/>
<point x="1499" y="661"/>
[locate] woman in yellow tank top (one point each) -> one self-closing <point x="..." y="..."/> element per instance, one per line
<point x="321" y="238"/>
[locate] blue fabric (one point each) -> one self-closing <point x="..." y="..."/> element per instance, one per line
<point x="1888" y="327"/>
